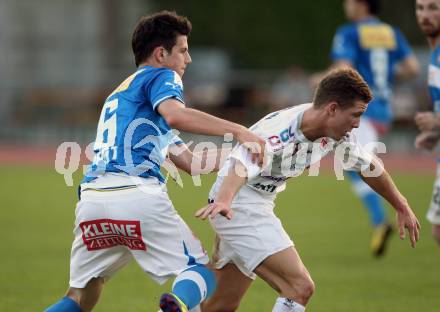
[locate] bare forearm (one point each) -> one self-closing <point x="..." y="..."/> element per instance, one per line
<point x="385" y="187"/>
<point x="202" y="162"/>
<point x="195" y="121"/>
<point x="405" y="217"/>
<point x="211" y="160"/>
<point x="191" y="120"/>
<point x="207" y="161"/>
<point x="231" y="185"/>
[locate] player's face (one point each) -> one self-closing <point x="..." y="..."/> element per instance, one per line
<point x="345" y="120"/>
<point x="351" y="8"/>
<point x="428" y="17"/>
<point x="179" y="57"/>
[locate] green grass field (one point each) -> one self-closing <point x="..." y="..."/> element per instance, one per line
<point x="323" y="217"/>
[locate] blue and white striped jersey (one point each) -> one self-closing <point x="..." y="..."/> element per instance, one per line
<point x="132" y="137"/>
<point x="434" y="79"/>
<point x="373" y="48"/>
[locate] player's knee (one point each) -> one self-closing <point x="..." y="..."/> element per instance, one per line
<point x="299" y="288"/>
<point x="306" y="288"/>
<point x="436" y="233"/>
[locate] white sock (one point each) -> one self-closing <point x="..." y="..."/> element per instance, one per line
<point x="287" y="305"/>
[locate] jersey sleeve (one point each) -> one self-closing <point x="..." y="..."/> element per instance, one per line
<point x="166" y="85"/>
<point x="243" y="155"/>
<point x="344" y="45"/>
<point x="352" y="155"/>
<point x="403" y="48"/>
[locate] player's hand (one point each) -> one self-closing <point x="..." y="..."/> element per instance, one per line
<point x="253" y="143"/>
<point x="407" y="220"/>
<point x="213" y="209"/>
<point x="427" y="140"/>
<point x="426" y="121"/>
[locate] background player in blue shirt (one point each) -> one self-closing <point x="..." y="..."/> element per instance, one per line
<point x="378" y="51"/>
<point x="428" y="17"/>
<point x="124" y="211"/>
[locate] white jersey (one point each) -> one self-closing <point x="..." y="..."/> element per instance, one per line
<point x="289" y="153"/>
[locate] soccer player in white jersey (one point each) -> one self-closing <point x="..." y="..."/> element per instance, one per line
<point x="428" y="17"/>
<point x="250" y="238"/>
<point x="379" y="52"/>
<point x="124" y="211"/>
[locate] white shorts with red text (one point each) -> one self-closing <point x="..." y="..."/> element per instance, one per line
<point x="112" y="227"/>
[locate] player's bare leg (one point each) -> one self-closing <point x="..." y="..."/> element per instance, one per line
<point x="87" y="297"/>
<point x="231" y="287"/>
<point x="436" y="233"/>
<point x="285" y="272"/>
<point x="80" y="299"/>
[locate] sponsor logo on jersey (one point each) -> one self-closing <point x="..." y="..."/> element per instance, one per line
<point x="283" y="137"/>
<point x="276" y="179"/>
<point x="106" y="233"/>
<point x="270" y="188"/>
<point x="172" y="85"/>
<point x="377" y="36"/>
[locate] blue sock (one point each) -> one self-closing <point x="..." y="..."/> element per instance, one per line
<point x="194" y="285"/>
<point x="65" y="305"/>
<point x="371" y="200"/>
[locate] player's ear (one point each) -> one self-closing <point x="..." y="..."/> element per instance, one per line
<point x="159" y="54"/>
<point x="331" y="108"/>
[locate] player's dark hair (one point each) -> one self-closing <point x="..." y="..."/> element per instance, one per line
<point x="373" y="6"/>
<point x="344" y="86"/>
<point x="159" y="29"/>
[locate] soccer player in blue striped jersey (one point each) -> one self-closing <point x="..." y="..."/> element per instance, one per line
<point x="378" y="51"/>
<point x="428" y="17"/>
<point x="124" y="211"/>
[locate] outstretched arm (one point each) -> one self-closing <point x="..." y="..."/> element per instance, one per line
<point x="187" y="119"/>
<point x="232" y="183"/>
<point x="195" y="163"/>
<point x="384" y="185"/>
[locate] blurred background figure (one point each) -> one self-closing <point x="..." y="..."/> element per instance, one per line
<point x="379" y="52"/>
<point x="291" y="88"/>
<point x="428" y="17"/>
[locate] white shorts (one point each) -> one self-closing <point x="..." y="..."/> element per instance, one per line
<point x="112" y="227"/>
<point x="366" y="135"/>
<point x="253" y="234"/>
<point x="433" y="214"/>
